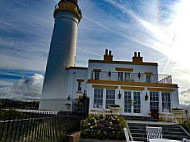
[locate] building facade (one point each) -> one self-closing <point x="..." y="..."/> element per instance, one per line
<point x="134" y="85"/>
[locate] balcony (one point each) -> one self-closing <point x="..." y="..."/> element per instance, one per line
<point x="132" y="77"/>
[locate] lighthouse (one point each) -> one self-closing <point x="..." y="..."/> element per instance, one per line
<point x="62" y="55"/>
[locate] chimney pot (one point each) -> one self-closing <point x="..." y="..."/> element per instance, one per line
<point x="106" y="52"/>
<point x="135" y="54"/>
<point x="110" y="53"/>
<point x="139" y="54"/>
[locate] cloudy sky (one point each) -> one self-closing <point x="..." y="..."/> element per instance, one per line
<point x="158" y="28"/>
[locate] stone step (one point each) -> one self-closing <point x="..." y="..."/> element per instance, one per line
<point x="140" y="118"/>
<point x="174" y="132"/>
<point x="181" y="132"/>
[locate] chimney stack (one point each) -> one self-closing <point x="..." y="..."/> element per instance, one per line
<point x="108" y="57"/>
<point x="137" y="59"/>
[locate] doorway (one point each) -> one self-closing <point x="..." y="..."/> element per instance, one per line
<point x="132" y="102"/>
<point x="154" y="104"/>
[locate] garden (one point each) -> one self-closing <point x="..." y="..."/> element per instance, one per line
<point x="104" y="127"/>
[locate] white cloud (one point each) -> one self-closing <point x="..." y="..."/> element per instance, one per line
<point x="24" y="89"/>
<point x="185" y="97"/>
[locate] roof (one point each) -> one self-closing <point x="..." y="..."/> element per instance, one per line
<point x="124" y="62"/>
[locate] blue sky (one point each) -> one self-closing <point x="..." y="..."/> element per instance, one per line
<point x="157" y="28"/>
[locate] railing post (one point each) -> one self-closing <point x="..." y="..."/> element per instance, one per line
<point x="2" y="130"/>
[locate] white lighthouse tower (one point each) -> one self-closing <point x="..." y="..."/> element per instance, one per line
<point x="62" y="55"/>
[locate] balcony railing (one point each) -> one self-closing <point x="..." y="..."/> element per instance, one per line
<point x="131" y="77"/>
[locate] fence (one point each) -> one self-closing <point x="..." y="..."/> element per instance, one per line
<point x="30" y="127"/>
<point x="22" y="125"/>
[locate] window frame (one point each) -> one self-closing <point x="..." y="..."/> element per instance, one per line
<point x="110" y="99"/>
<point x="97" y="75"/>
<point x="148" y="78"/>
<point x="98" y="98"/>
<point x="120" y="76"/>
<point x="127" y="103"/>
<point x="166" y="102"/>
<point x="79" y="88"/>
<point x="139" y="102"/>
<point x="154" y="99"/>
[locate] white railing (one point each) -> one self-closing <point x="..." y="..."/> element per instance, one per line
<point x="132" y="77"/>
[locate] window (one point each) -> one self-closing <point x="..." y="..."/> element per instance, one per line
<point x="98" y="98"/>
<point x="79" y="86"/>
<point x="127" y="99"/>
<point x="110" y="97"/>
<point x="148" y="78"/>
<point x="120" y="76"/>
<point x="127" y="76"/>
<point x="166" y="102"/>
<point x="97" y="75"/>
<point x="154" y="100"/>
<point x="137" y="102"/>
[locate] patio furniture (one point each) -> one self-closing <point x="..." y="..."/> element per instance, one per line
<point x="153" y="133"/>
<point x="186" y="140"/>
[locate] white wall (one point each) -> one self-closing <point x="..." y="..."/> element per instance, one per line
<point x="62" y="54"/>
<point x="72" y="89"/>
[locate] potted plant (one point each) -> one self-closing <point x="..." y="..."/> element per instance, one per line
<point x="115" y="109"/>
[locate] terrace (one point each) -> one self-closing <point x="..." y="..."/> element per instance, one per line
<point x="132" y="77"/>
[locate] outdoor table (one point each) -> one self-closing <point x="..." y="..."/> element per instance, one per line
<point x="163" y="140"/>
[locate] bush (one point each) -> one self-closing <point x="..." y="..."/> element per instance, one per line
<point x="185" y="123"/>
<point x="103" y="127"/>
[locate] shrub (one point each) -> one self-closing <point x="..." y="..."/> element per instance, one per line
<point x="185" y="123"/>
<point x="103" y="127"/>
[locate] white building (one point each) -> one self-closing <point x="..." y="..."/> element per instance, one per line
<point x="134" y="85"/>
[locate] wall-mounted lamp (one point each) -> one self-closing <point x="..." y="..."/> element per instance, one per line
<point x="69" y="98"/>
<point x="119" y="95"/>
<point x="146" y="97"/>
<point x="109" y="74"/>
<point x="84" y="94"/>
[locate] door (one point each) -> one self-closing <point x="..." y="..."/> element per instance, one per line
<point x="132" y="102"/>
<point x="127" y="102"/>
<point x="137" y="102"/>
<point x="154" y="104"/>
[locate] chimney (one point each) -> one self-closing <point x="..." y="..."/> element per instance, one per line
<point x="108" y="57"/>
<point x="110" y="53"/>
<point x="135" y="54"/>
<point x="139" y="54"/>
<point x="137" y="59"/>
<point x="106" y="52"/>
